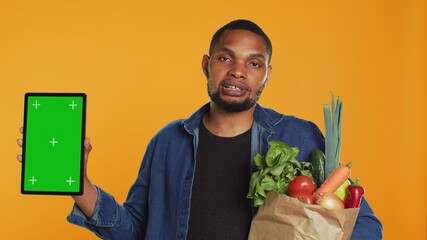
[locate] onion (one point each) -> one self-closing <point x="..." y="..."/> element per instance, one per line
<point x="330" y="201"/>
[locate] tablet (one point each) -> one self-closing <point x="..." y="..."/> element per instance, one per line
<point x="53" y="143"/>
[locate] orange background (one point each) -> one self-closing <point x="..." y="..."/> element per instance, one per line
<point x="139" y="63"/>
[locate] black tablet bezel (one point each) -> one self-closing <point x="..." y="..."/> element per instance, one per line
<point x="83" y="135"/>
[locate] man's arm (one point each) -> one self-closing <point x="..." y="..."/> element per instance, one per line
<point x="87" y="201"/>
<point x="100" y="213"/>
<point x="97" y="210"/>
<point x="367" y="226"/>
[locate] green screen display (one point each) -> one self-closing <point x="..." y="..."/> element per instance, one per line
<point x="53" y="143"/>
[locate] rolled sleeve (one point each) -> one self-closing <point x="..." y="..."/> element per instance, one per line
<point x="104" y="215"/>
<point x="103" y="219"/>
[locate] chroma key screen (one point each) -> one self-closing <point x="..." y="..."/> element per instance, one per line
<point x="54" y="128"/>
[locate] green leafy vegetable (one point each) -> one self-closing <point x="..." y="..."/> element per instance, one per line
<point x="275" y="171"/>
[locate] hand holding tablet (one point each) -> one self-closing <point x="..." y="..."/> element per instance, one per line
<point x="53" y="143"/>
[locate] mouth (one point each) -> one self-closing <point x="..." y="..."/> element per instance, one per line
<point x="233" y="88"/>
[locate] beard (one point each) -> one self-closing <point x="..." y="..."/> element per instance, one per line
<point x="234" y="106"/>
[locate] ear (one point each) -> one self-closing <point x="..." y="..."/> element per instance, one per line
<point x="205" y="65"/>
<point x="269" y="70"/>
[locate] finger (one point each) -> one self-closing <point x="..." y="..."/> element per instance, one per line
<point x="87" y="144"/>
<point x="21" y="130"/>
<point x="88" y="147"/>
<point x="19" y="157"/>
<point x="20" y="142"/>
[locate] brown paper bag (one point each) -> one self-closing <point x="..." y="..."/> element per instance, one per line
<point x="283" y="217"/>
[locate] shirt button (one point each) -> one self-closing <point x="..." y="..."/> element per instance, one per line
<point x="180" y="235"/>
<point x="187" y="178"/>
<point x="183" y="206"/>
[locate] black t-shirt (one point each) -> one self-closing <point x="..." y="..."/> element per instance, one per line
<point x="219" y="207"/>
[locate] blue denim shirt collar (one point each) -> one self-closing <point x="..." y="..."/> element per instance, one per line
<point x="266" y="120"/>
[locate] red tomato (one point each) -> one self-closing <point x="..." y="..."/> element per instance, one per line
<point x="304" y="197"/>
<point x="301" y="184"/>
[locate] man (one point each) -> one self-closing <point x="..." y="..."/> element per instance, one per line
<point x="195" y="173"/>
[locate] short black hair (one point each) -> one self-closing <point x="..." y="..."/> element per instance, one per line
<point x="241" y="24"/>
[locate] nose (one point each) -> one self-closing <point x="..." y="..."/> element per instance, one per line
<point x="237" y="71"/>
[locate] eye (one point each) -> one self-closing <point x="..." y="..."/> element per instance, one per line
<point x="255" y="64"/>
<point x="224" y="59"/>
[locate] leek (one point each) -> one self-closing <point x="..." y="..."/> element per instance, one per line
<point x="333" y="118"/>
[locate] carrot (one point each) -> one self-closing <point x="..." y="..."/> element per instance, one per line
<point x="335" y="179"/>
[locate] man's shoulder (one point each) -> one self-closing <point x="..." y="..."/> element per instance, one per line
<point x="173" y="126"/>
<point x="172" y="132"/>
<point x="280" y="120"/>
<point x="183" y="126"/>
<point x="294" y="131"/>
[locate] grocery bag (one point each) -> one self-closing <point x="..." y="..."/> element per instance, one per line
<point x="283" y="217"/>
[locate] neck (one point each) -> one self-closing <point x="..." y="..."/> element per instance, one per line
<point x="228" y="124"/>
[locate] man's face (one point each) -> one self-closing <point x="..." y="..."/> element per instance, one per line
<point x="237" y="70"/>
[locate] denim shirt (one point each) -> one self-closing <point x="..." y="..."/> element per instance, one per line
<point x="158" y="203"/>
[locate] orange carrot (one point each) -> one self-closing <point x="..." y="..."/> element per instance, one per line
<point x="335" y="179"/>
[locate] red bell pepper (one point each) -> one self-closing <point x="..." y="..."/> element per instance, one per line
<point x="354" y="195"/>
